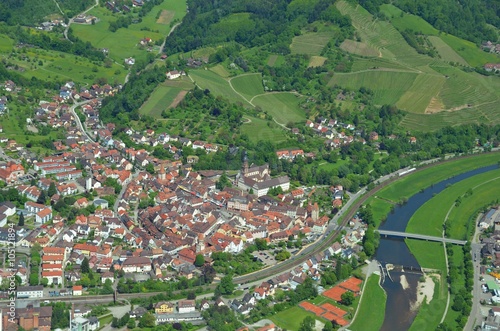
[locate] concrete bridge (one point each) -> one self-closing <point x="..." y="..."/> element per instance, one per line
<point x="399" y="234"/>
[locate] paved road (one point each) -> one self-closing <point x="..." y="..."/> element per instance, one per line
<point x="420" y="236"/>
<point x="71" y="19"/>
<point x="77" y="119"/>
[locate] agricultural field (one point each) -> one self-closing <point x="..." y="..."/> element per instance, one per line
<point x="446" y="52"/>
<point x="283" y="107"/>
<point x="388" y="86"/>
<point x="248" y="85"/>
<point x="6" y="44"/>
<point x="311" y="43"/>
<point x="207" y="79"/>
<point x="316" y="61"/>
<point x="161" y="99"/>
<point x="359" y="48"/>
<point x="418" y="97"/>
<point x="372" y="309"/>
<point x="221" y="71"/>
<point x="124" y="42"/>
<point x="54" y="65"/>
<point x="259" y="129"/>
<point x="275" y="60"/>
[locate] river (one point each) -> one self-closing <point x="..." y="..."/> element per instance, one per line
<point x="398" y="313"/>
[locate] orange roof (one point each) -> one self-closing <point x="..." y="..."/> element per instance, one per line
<point x="56" y="273"/>
<point x="77" y="288"/>
<point x="351" y="284"/>
<point x="335" y="293"/>
<point x="44" y="212"/>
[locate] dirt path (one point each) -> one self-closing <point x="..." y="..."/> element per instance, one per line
<point x="178" y="99"/>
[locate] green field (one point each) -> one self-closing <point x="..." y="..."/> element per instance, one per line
<point x="311" y="43"/>
<point x="6" y="44"/>
<point x="372" y="309"/>
<point x="358" y="48"/>
<point x="388" y="86"/>
<point x="412" y="184"/>
<point x="430" y="255"/>
<point x="124" y="42"/>
<point x="63" y="66"/>
<point x="220" y="70"/>
<point x="418" y="97"/>
<point x="159" y="100"/>
<point x="207" y="79"/>
<point x="283" y="107"/>
<point x="445" y="51"/>
<point x="248" y="85"/>
<point x="290" y="319"/>
<point x="275" y="60"/>
<point x="259" y="129"/>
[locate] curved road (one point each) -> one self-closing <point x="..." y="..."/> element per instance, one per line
<point x="71" y="19"/>
<point x="77" y="119"/>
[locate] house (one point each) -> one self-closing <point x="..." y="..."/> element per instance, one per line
<point x="137" y="264"/>
<point x="43" y="216"/>
<point x="163" y="307"/>
<point x="186" y="306"/>
<point x="30" y="292"/>
<point x="77" y="290"/>
<point x="29" y="318"/>
<point x="137" y="312"/>
<point x="130" y="61"/>
<point x="174" y="74"/>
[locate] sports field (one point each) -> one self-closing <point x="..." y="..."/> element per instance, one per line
<point x="291" y="319"/>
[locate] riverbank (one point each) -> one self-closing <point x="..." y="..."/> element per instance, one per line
<point x="372" y="308"/>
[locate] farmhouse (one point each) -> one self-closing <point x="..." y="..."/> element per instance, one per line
<point x="174" y="74"/>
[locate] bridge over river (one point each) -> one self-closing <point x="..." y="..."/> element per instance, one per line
<point x="399" y="234"/>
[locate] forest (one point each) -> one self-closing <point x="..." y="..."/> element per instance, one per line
<point x="32" y="12"/>
<point x="467" y="19"/>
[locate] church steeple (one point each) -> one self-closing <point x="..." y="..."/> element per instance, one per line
<point x="162" y="173"/>
<point x="244" y="169"/>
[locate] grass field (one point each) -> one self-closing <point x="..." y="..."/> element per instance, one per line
<point x="220" y="70"/>
<point x="316" y="61"/>
<point x="159" y="100"/>
<point x="411" y="184"/>
<point x="6" y="43"/>
<point x="388" y="86"/>
<point x="123" y="43"/>
<point x="258" y="129"/>
<point x="445" y="51"/>
<point x="430" y="255"/>
<point x="283" y="107"/>
<point x="248" y="85"/>
<point x="311" y="43"/>
<point x="62" y="66"/>
<point x="359" y="48"/>
<point x="207" y="79"/>
<point x="275" y="60"/>
<point x="418" y="97"/>
<point x="372" y="309"/>
<point x="290" y="319"/>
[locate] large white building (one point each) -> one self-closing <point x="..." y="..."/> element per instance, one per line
<point x="259" y="180"/>
<point x="30" y="291"/>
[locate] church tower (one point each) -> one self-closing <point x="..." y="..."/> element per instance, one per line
<point x="162" y="174"/>
<point x="244" y="169"/>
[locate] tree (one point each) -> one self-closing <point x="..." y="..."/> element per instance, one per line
<point x="147" y="321"/>
<point x="223" y="182"/>
<point x="226" y="286"/>
<point x="21" y="219"/>
<point x="208" y="274"/>
<point x="42" y="197"/>
<point x="261" y="244"/>
<point x="200" y="260"/>
<point x="52" y="189"/>
<point x="307" y="324"/>
<point x="347" y="298"/>
<point x="131" y="324"/>
<point x="328" y="326"/>
<point x="85" y="265"/>
<point x="150" y="168"/>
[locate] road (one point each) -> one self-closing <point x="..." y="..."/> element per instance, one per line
<point x="71" y="19"/>
<point x="165" y="40"/>
<point x="77" y="119"/>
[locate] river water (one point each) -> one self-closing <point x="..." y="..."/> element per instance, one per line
<point x="398" y="313"/>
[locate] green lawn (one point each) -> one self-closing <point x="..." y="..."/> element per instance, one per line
<point x="430" y="255"/>
<point x="248" y="85"/>
<point x="159" y="100"/>
<point x="258" y="129"/>
<point x="372" y="309"/>
<point x="283" y="107"/>
<point x="429" y="218"/>
<point x="290" y="319"/>
<point x="411" y="184"/>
